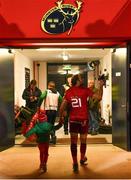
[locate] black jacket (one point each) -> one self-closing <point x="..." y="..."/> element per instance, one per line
<point x="26" y="96"/>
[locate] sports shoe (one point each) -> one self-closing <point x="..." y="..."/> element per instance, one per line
<point x="75" y="168"/>
<point x="94" y="132"/>
<point x="89" y="131"/>
<point x="43" y="168"/>
<point x="53" y="140"/>
<point x="82" y="161"/>
<point x="66" y="132"/>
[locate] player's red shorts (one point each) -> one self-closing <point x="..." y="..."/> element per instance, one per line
<point x="78" y="127"/>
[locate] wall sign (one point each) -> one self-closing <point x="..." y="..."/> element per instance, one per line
<point x="118" y="74"/>
<point x="27" y="77"/>
<point x="61" y="18"/>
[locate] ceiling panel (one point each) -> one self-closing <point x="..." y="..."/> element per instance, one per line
<point x="56" y="54"/>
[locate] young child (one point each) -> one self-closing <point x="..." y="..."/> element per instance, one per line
<point x="42" y="129"/>
<point x="52" y="100"/>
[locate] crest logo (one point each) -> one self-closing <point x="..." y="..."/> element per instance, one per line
<point x="61" y="18"/>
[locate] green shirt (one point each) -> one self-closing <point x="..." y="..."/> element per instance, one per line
<point x="42" y="130"/>
<point x="47" y="95"/>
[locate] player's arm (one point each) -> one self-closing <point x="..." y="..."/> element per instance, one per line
<point x="30" y="132"/>
<point x="62" y="110"/>
<point x="99" y="93"/>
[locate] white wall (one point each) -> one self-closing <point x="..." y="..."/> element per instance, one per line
<point x="42" y="80"/>
<point x="20" y="63"/>
<point x="41" y="71"/>
<point x="106" y="63"/>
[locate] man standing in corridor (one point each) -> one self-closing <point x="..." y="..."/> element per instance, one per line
<point x="75" y="100"/>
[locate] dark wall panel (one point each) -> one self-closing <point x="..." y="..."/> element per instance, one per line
<point x="7" y="131"/>
<point x="119" y="98"/>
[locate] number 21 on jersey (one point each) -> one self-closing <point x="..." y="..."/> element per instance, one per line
<point x="76" y="102"/>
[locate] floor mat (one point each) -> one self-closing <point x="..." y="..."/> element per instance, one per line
<point x="62" y="141"/>
<point x="92" y="140"/>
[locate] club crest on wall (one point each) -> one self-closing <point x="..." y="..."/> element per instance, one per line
<point x="61" y="18"/>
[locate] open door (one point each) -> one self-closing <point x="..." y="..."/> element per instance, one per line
<point x="7" y="130"/>
<point x="120" y="133"/>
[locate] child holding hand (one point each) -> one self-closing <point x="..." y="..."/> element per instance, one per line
<point x="42" y="129"/>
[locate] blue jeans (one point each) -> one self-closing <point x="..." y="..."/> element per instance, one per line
<point x="93" y="120"/>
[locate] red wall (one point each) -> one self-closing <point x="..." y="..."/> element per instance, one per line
<point x="98" y="19"/>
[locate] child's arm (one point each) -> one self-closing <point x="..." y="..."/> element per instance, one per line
<point x="58" y="126"/>
<point x="30" y="132"/>
<point x="42" y="97"/>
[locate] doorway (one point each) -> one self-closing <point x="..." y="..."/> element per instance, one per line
<point x="24" y="53"/>
<point x="50" y="67"/>
<point x="56" y="72"/>
<point x="60" y="71"/>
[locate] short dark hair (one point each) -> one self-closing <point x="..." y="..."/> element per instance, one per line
<point x="74" y="79"/>
<point x="68" y="76"/>
<point x="51" y="82"/>
<point x="33" y="82"/>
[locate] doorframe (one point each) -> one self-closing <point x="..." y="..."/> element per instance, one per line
<point x="129" y="96"/>
<point x="110" y="45"/>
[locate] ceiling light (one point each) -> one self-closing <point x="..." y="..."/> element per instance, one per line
<point x="65" y="57"/>
<point x="61" y="49"/>
<point x="3" y="50"/>
<point x="75" y="72"/>
<point x="62" y="72"/>
<point x="48" y="49"/>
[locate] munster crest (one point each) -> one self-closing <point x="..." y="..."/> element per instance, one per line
<point x="61" y="18"/>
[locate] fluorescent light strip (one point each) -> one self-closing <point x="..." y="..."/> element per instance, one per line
<point x="61" y="49"/>
<point x="3" y="50"/>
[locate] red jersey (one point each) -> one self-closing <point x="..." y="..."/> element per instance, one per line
<point x="76" y="98"/>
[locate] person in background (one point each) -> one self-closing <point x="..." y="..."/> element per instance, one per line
<point x="31" y="95"/>
<point x="42" y="129"/>
<point x="94" y="105"/>
<point x="52" y="99"/>
<point x="64" y="88"/>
